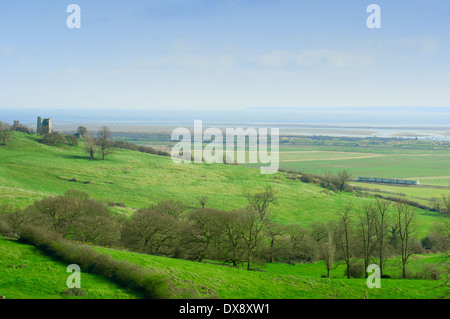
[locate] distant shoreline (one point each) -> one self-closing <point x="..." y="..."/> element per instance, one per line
<point x="296" y="130"/>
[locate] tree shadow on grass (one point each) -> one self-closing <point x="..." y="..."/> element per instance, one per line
<point x="75" y="157"/>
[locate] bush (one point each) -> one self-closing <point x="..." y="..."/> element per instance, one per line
<point x="53" y="139"/>
<point x="5" y="229"/>
<point x="139" y="148"/>
<point x="128" y="275"/>
<point x="77" y="217"/>
<point x="71" y="140"/>
<point x="77" y="194"/>
<point x="306" y="178"/>
<point x="356" y="270"/>
<point x="429" y="272"/>
<point x="23" y="129"/>
<point x="74" y="292"/>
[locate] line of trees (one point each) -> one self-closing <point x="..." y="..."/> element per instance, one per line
<point x="247" y="236"/>
<point x="334" y="182"/>
<point x="6" y="131"/>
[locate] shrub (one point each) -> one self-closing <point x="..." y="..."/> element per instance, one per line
<point x="429" y="272"/>
<point x="139" y="148"/>
<point x="128" y="275"/>
<point x="74" y="292"/>
<point x="5" y="229"/>
<point x="77" y="217"/>
<point x="23" y="129"/>
<point x="76" y="193"/>
<point x="71" y="139"/>
<point x="356" y="270"/>
<point x="53" y="139"/>
<point x="306" y="178"/>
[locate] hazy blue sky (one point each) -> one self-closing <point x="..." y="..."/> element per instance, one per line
<point x="217" y="54"/>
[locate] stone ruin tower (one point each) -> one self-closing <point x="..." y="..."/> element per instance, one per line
<point x="44" y="126"/>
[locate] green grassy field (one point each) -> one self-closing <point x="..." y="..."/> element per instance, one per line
<point x="26" y="273"/>
<point x="421" y="195"/>
<point x="426" y="161"/>
<point x="283" y="281"/>
<point x="44" y="278"/>
<point x="31" y="171"/>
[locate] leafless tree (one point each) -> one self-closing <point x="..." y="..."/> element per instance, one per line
<point x="150" y="231"/>
<point x="104" y="142"/>
<point x="273" y="231"/>
<point x="6" y="133"/>
<point x="172" y="208"/>
<point x="232" y="247"/>
<point x="319" y="231"/>
<point x="343" y="178"/>
<point x="345" y="236"/>
<point x="405" y="215"/>
<point x="206" y="233"/>
<point x="90" y="147"/>
<point x="381" y="227"/>
<point x="261" y="201"/>
<point x="327" y="248"/>
<point x="252" y="232"/>
<point x="367" y="233"/>
<point x="203" y="200"/>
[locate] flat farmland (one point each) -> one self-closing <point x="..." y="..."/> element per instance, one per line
<point x="422" y="195"/>
<point x="428" y="168"/>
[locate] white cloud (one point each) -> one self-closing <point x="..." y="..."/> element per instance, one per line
<point x="190" y="60"/>
<point x="312" y="57"/>
<point x="425" y="44"/>
<point x="9" y="49"/>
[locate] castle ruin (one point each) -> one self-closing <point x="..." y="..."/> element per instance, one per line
<point x="44" y="126"/>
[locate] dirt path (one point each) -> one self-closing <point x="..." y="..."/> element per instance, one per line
<point x="330" y="159"/>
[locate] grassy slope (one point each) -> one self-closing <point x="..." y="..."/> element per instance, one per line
<point x="30" y="171"/>
<point x="281" y="281"/>
<point x="44" y="278"/>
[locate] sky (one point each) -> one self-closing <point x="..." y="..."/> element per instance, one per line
<point x="223" y="54"/>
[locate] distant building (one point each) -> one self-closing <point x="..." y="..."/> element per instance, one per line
<point x="44" y="126"/>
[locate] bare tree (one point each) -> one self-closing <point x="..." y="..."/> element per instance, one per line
<point x="150" y="231"/>
<point x="381" y="228"/>
<point x="172" y="208"/>
<point x="299" y="248"/>
<point x="273" y="230"/>
<point x="445" y="205"/>
<point x="203" y="200"/>
<point x="343" y="178"/>
<point x="367" y="233"/>
<point x="261" y="201"/>
<point x="231" y="248"/>
<point x="328" y="248"/>
<point x="328" y="178"/>
<point x="90" y="147"/>
<point x="206" y="233"/>
<point x="104" y="142"/>
<point x="319" y="231"/>
<point x="405" y="215"/>
<point x="345" y="237"/>
<point x="6" y="133"/>
<point x="71" y="139"/>
<point x="252" y="233"/>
